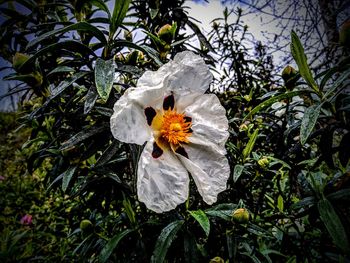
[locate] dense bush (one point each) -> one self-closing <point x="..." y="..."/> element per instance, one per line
<point x="287" y="195"/>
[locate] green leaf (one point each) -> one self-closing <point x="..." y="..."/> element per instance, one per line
<point x="304" y="203"/>
<point x="250" y="145"/>
<point x="112" y="244"/>
<point x="108" y="153"/>
<point x="274" y="99"/>
<point x="81" y="136"/>
<point x="61" y="69"/>
<point x="164" y="241"/>
<point x="152" y="53"/>
<point x="202" y="219"/>
<point x="67" y="177"/>
<point x="54" y="182"/>
<point x="333" y="224"/>
<point x="101" y="5"/>
<point x="280" y="203"/>
<point x="223" y="211"/>
<point x="129" y="211"/>
<point x="90" y="99"/>
<point x="120" y="9"/>
<point x="80" y="26"/>
<point x="104" y="77"/>
<point x="237" y="172"/>
<point x="343" y="195"/>
<point x="190" y="248"/>
<point x="308" y="122"/>
<point x="70" y="45"/>
<point x="343" y="77"/>
<point x="202" y="39"/>
<point x="66" y="83"/>
<point x="153" y="12"/>
<point x="301" y="60"/>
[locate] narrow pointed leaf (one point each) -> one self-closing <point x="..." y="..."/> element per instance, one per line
<point x="66" y="83"/>
<point x="202" y="219"/>
<point x="120" y="9"/>
<point x="343" y="77"/>
<point x="67" y="177"/>
<point x="274" y="99"/>
<point x="301" y="60"/>
<point x="108" y="154"/>
<point x="164" y="241"/>
<point x="237" y="172"/>
<point x="101" y="5"/>
<point x="60" y="69"/>
<point x="334" y="225"/>
<point x="80" y="26"/>
<point x="70" y="45"/>
<point x="223" y="211"/>
<point x="90" y="100"/>
<point x="112" y="244"/>
<point x="308" y="122"/>
<point x="250" y="145"/>
<point x="104" y="77"/>
<point x="81" y="136"/>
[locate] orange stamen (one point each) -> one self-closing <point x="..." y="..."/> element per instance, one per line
<point x="174" y="128"/>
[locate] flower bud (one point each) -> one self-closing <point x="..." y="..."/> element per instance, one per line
<point x="38" y="79"/>
<point x="119" y="57"/>
<point x="18" y="60"/>
<point x="240" y="215"/>
<point x="167" y="33"/>
<point x="132" y="57"/>
<point x="263" y="162"/>
<point x="85" y="225"/>
<point x="344" y="34"/>
<point x="243" y="127"/>
<point x="215" y="25"/>
<point x="127" y="35"/>
<point x="217" y="260"/>
<point x="289" y="75"/>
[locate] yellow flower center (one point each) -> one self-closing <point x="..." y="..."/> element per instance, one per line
<point x="175" y="127"/>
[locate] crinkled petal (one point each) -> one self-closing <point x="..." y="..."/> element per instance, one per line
<point x="208" y="118"/>
<point x="208" y="166"/>
<point x="162" y="182"/>
<point x="128" y="122"/>
<point x="190" y="74"/>
<point x="155" y="78"/>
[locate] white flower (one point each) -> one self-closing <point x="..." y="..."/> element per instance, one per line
<point x="185" y="130"/>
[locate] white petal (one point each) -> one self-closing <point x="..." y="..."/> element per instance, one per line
<point x="156" y="78"/>
<point x="128" y="122"/>
<point x="208" y="166"/>
<point x="208" y="118"/>
<point x="189" y="74"/>
<point x="162" y="183"/>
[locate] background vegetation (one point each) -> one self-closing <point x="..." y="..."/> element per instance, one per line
<point x="68" y="188"/>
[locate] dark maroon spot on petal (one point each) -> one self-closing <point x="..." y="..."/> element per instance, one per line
<point x="150" y="113"/>
<point x="157" y="151"/>
<point x="188" y="119"/>
<point x="169" y="102"/>
<point x="181" y="150"/>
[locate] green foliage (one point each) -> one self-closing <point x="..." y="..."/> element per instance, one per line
<point x="104" y="77"/>
<point x="166" y="237"/>
<point x="288" y="144"/>
<point x="299" y="56"/>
